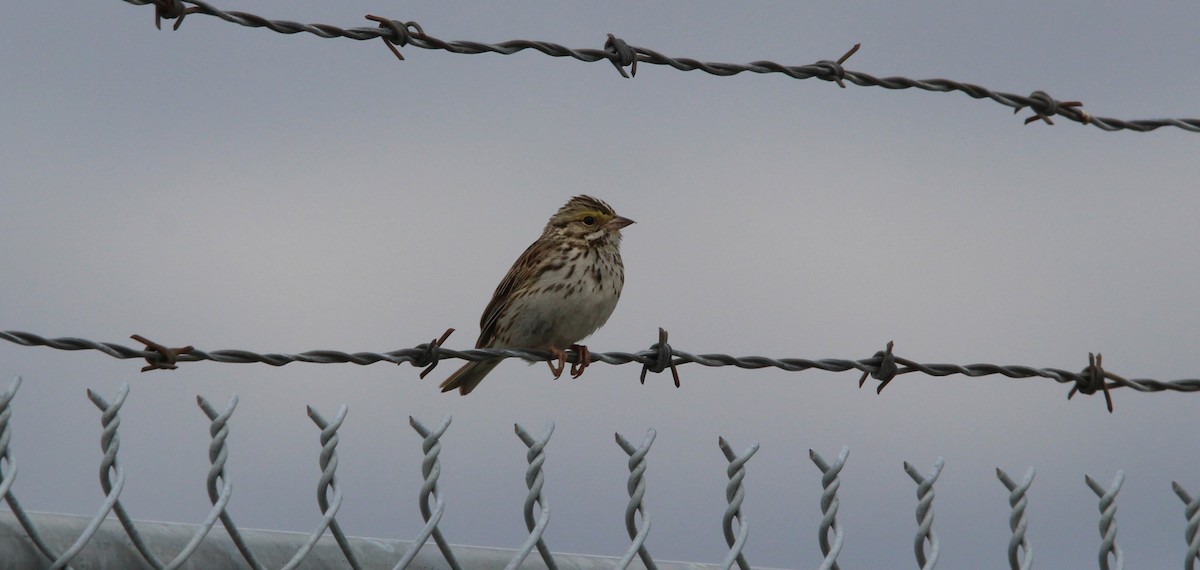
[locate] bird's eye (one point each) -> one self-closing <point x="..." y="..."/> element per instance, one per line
<point x="589" y="220"/>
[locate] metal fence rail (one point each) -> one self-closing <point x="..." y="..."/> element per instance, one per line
<point x="112" y="549"/>
<point x="623" y="55"/>
<point x="29" y="540"/>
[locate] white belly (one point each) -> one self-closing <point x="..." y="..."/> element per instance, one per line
<point x="561" y="312"/>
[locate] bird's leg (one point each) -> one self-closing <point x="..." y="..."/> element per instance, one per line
<point x="561" y="357"/>
<point x="585" y="358"/>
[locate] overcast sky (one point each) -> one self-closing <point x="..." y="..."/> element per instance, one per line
<point x="230" y="187"/>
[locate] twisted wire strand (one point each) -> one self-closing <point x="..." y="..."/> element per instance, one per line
<point x="431" y="469"/>
<point x="735" y="493"/>
<point x="829" y="507"/>
<point x="925" y="534"/>
<point x="1017" y="521"/>
<point x="1191" y="512"/>
<point x="622" y="55"/>
<point x="8" y="475"/>
<point x="1108" y="520"/>
<point x="327" y="485"/>
<point x="534" y="480"/>
<point x="636" y="485"/>
<point x="8" y="465"/>
<point x="218" y="454"/>
<point x="111" y="443"/>
<point x="883" y="366"/>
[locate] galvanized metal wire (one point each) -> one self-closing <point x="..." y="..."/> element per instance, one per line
<point x="829" y="507"/>
<point x="622" y="55"/>
<point x="1020" y="553"/>
<point x="218" y="454"/>
<point x="1191" y="512"/>
<point x="884" y="366"/>
<point x="431" y="469"/>
<point x="32" y="539"/>
<point x="1108" y="521"/>
<point x="925" y="536"/>
<point x="637" y="490"/>
<point x="735" y="493"/>
<point x="329" y="493"/>
<point x="534" y="480"/>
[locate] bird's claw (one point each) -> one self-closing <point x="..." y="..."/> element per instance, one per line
<point x="585" y="358"/>
<point x="559" y="357"/>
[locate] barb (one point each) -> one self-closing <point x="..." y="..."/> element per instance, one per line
<point x="735" y="494"/>
<point x="397" y="33"/>
<point x="885" y="372"/>
<point x="622" y="55"/>
<point x="653" y="358"/>
<point x="637" y="489"/>
<point x="1092" y="379"/>
<point x="164" y="358"/>
<point x="925" y="533"/>
<point x="829" y="506"/>
<point x="1017" y="521"/>
<point x="429" y="360"/>
<point x="663" y="359"/>
<point x="1108" y="521"/>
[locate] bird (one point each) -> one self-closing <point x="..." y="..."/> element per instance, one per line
<point x="562" y="289"/>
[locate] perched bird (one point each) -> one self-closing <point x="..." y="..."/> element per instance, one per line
<point x="563" y="288"/>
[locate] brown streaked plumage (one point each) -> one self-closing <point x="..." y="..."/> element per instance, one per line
<point x="563" y="288"/>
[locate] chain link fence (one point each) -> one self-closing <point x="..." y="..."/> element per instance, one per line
<point x="112" y="538"/>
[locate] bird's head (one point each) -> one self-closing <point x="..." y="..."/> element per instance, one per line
<point x="589" y="219"/>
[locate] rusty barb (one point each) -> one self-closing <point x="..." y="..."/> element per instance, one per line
<point x="1044" y="106"/>
<point x="398" y="33"/>
<point x="169" y="10"/>
<point x="836" y="73"/>
<point x="663" y="358"/>
<point x="623" y="56"/>
<point x="429" y="360"/>
<point x="885" y="371"/>
<point x="160" y="357"/>
<point x="1093" y="378"/>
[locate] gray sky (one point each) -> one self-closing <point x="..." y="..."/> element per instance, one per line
<point x="229" y="187"/>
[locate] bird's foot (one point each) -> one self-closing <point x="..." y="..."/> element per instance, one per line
<point x="585" y="358"/>
<point x="559" y="356"/>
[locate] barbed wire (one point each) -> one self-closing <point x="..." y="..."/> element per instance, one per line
<point x="623" y="55"/>
<point x="884" y="366"/>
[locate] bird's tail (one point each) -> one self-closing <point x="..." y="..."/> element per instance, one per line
<point x="469" y="376"/>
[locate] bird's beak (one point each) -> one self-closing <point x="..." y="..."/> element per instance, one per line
<point x="618" y="222"/>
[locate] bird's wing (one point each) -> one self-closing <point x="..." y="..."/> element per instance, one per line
<point x="517" y="275"/>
